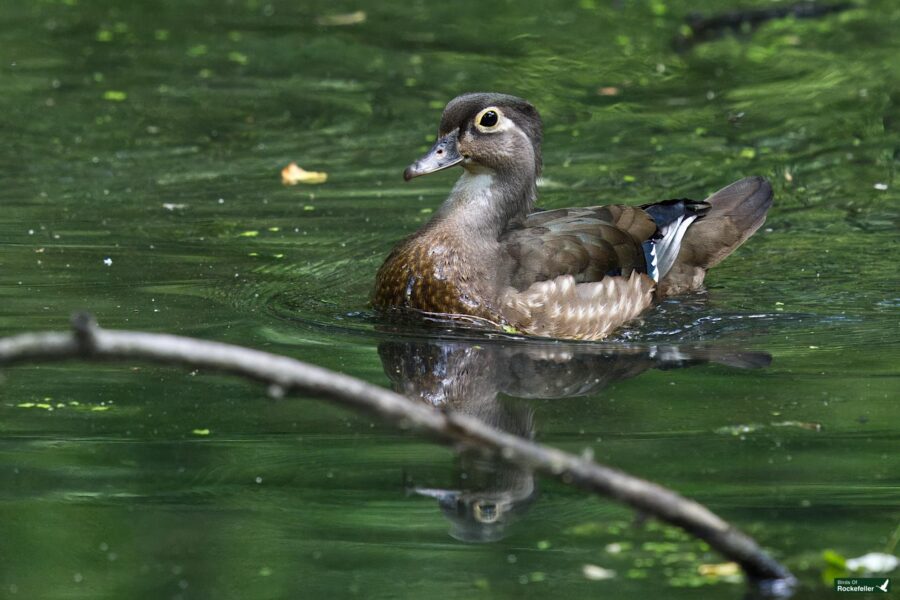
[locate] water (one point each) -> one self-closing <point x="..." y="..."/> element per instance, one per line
<point x="141" y="154"/>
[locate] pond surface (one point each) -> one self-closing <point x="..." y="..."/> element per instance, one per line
<point x="142" y="144"/>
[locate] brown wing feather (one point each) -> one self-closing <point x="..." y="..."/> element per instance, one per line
<point x="586" y="243"/>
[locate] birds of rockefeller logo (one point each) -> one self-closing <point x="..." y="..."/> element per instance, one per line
<point x="862" y="585"/>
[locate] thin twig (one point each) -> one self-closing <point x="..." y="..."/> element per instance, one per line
<point x="90" y="342"/>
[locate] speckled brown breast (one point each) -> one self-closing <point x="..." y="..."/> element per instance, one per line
<point x="431" y="277"/>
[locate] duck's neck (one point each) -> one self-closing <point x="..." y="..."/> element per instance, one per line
<point x="483" y="203"/>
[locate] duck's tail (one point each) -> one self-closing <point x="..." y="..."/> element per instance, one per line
<point x="735" y="212"/>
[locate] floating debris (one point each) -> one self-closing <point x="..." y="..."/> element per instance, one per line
<point x="292" y="175"/>
<point x="238" y="57"/>
<point x="115" y="96"/>
<point x="343" y="19"/>
<point x="800" y="424"/>
<point x="728" y="569"/>
<point x="609" y="90"/>
<point x="173" y="206"/>
<point x="597" y="573"/>
<point x="200" y="431"/>
<point x="107" y="261"/>
<point x="873" y="562"/>
<point x="737" y="430"/>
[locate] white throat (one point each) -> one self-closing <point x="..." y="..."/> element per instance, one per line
<point x="473" y="204"/>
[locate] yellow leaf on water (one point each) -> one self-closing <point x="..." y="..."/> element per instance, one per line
<point x="341" y="20"/>
<point x="719" y="570"/>
<point x="292" y="175"/>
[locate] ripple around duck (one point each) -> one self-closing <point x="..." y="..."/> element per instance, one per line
<point x="816" y="304"/>
<point x="691" y="319"/>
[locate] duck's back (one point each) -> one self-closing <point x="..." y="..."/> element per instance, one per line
<point x="587" y="243"/>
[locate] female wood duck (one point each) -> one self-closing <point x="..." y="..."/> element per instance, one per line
<point x="487" y="255"/>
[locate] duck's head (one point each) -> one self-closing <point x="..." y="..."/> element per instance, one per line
<point x="485" y="132"/>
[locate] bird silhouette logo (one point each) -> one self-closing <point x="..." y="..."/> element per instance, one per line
<point x="884" y="586"/>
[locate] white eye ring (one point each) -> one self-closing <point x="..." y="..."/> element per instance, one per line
<point x="489" y="128"/>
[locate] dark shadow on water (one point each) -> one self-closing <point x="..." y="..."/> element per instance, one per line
<point x="477" y="379"/>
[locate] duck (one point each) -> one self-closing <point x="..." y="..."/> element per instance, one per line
<point x="489" y="258"/>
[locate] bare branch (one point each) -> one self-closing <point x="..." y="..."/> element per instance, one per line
<point x="89" y="342"/>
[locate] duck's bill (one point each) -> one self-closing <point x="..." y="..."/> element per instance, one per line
<point x="443" y="154"/>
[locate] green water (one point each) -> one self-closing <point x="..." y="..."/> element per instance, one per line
<point x="141" y="150"/>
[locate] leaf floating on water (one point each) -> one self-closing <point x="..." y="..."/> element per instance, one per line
<point x="251" y="233"/>
<point x="609" y="90"/>
<point x="597" y="573"/>
<point x="292" y="175"/>
<point x="200" y="431"/>
<point x="719" y="570"/>
<point x="342" y="20"/>
<point x="834" y="559"/>
<point x="115" y="96"/>
<point x="238" y="57"/>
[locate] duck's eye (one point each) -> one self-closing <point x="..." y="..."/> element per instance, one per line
<point x="488" y="119"/>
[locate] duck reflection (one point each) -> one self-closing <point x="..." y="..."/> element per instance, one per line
<point x="478" y="379"/>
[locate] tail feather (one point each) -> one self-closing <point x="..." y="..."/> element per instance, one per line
<point x="735" y="213"/>
<point x="672" y="218"/>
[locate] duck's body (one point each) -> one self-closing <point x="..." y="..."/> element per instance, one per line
<point x="569" y="273"/>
